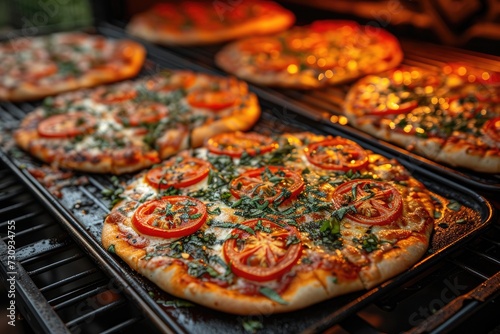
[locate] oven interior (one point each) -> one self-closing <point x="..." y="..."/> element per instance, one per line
<point x="66" y="282"/>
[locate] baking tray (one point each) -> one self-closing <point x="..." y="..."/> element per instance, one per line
<point x="82" y="208"/>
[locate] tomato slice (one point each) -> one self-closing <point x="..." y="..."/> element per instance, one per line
<point x="492" y="129"/>
<point x="66" y="125"/>
<point x="271" y="183"/>
<point x="402" y="108"/>
<point x="376" y="203"/>
<point x="110" y="96"/>
<point x="170" y="81"/>
<point x="40" y="71"/>
<point x="170" y="217"/>
<point x="235" y="143"/>
<point x="145" y="113"/>
<point x="178" y="174"/>
<point x="214" y="100"/>
<point x="267" y="254"/>
<point x="337" y="154"/>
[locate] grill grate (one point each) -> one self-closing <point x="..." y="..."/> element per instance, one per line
<point x="66" y="290"/>
<point x="59" y="288"/>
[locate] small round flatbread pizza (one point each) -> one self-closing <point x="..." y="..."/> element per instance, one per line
<point x="323" y="53"/>
<point x="33" y="68"/>
<point x="204" y="22"/>
<point x="450" y="116"/>
<point x="132" y="125"/>
<point x="250" y="224"/>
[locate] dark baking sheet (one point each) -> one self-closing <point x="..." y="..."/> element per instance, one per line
<point x="82" y="208"/>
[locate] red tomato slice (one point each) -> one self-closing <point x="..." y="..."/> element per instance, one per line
<point x="235" y="143"/>
<point x="214" y="100"/>
<point x="178" y="174"/>
<point x="170" y="217"/>
<point x="39" y="71"/>
<point x="269" y="183"/>
<point x="337" y="154"/>
<point x="145" y="113"/>
<point x="103" y="95"/>
<point x="266" y="255"/>
<point x="492" y="129"/>
<point x="376" y="203"/>
<point x="403" y="108"/>
<point x="66" y="125"/>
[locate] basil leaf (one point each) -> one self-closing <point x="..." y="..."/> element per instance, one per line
<point x="273" y="295"/>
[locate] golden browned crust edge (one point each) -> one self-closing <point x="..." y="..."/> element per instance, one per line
<point x="140" y="26"/>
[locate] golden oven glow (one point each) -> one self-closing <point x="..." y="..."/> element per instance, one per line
<point x="311" y="59"/>
<point x="408" y="128"/>
<point x="292" y="68"/>
<point x="342" y="120"/>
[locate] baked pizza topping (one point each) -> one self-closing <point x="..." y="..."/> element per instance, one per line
<point x="170" y="217"/>
<point x="178" y="172"/>
<point x="369" y="202"/>
<point x="447" y="116"/>
<point x="199" y="22"/>
<point x="325" y="52"/>
<point x="131" y="125"/>
<point x="66" y="125"/>
<point x="227" y="219"/>
<point x="41" y="66"/>
<point x="265" y="251"/>
<point x="268" y="184"/>
<point x="235" y="144"/>
<point x="337" y="154"/>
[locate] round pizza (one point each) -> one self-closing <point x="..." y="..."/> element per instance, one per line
<point x="37" y="67"/>
<point x="452" y="116"/>
<point x="250" y="224"/>
<point x="131" y="125"/>
<point x="323" y="53"/>
<point x="203" y="22"/>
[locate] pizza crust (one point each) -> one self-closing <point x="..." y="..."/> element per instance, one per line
<point x="130" y="54"/>
<point x="90" y="154"/>
<point x="145" y="25"/>
<point x="318" y="275"/>
<point x="242" y="64"/>
<point x="455" y="152"/>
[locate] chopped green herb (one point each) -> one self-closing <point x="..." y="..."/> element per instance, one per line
<point x="454" y="205"/>
<point x="273" y="295"/>
<point x="251" y="326"/>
